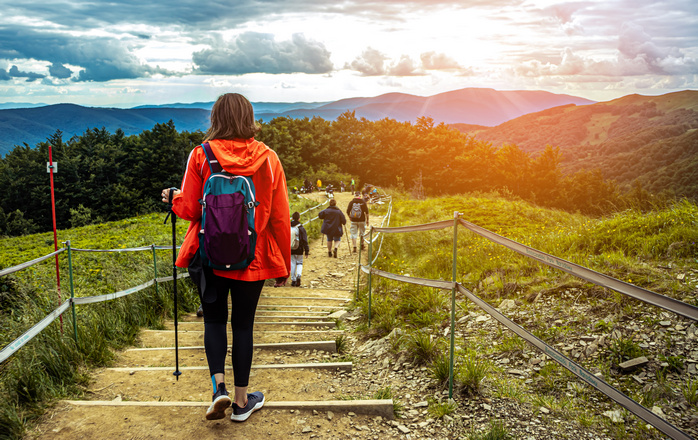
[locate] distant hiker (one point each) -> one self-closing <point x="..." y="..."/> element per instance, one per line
<point x="332" y="221"/>
<point x="342" y="186"/>
<point x="230" y="139"/>
<point x="299" y="246"/>
<point x="357" y="211"/>
<point x="319" y="184"/>
<point x="353" y="185"/>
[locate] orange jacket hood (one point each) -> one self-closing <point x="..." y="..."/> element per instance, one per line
<point x="240" y="156"/>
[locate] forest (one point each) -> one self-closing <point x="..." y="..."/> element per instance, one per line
<point x="105" y="176"/>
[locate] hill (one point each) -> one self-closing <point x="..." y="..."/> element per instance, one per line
<point x="648" y="139"/>
<point x="34" y="125"/>
<point x="472" y="106"/>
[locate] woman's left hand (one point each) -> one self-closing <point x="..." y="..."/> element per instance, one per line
<point x="165" y="194"/>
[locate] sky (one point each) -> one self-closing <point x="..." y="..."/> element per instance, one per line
<point x="124" y="53"/>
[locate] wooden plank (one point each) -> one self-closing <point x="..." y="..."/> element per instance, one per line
<point x="383" y="407"/>
<point x="256" y="331"/>
<point x="329" y="346"/>
<point x="346" y="366"/>
<point x="313" y="323"/>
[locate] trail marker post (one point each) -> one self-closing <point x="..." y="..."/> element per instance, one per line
<point x="51" y="168"/>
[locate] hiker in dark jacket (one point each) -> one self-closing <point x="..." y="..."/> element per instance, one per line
<point x="357" y="211"/>
<point x="297" y="253"/>
<point x="332" y="226"/>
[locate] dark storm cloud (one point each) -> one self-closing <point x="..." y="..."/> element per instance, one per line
<point x="4" y="76"/>
<point x="253" y="52"/>
<point x="100" y="59"/>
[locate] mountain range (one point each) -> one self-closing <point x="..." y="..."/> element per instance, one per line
<point x="649" y="140"/>
<point x="478" y="106"/>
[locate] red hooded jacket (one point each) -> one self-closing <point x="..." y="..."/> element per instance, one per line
<point x="243" y="157"/>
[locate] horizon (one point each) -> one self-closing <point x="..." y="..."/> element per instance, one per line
<point x="123" y="54"/>
<point x="3" y="105"/>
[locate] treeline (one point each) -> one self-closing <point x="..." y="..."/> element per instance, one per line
<point x="104" y="176"/>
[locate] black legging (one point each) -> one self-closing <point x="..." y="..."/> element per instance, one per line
<point x="244" y="298"/>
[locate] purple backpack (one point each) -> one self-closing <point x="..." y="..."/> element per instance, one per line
<point x="227" y="237"/>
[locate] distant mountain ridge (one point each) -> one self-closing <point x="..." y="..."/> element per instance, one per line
<point x="651" y="140"/>
<point x="472" y="106"/>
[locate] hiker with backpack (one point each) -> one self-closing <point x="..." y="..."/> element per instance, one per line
<point x="299" y="246"/>
<point x="234" y="196"/>
<point x="333" y="221"/>
<point x="357" y="211"/>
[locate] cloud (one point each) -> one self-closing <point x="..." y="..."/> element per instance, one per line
<point x="31" y="76"/>
<point x="100" y="59"/>
<point x="253" y="52"/>
<point x="405" y="67"/>
<point x="371" y="62"/>
<point x="4" y="76"/>
<point x="58" y="70"/>
<point x="438" y="61"/>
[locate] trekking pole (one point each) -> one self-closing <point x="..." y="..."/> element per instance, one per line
<point x="347" y="234"/>
<point x="170" y="212"/>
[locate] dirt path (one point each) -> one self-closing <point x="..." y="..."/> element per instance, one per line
<point x="139" y="397"/>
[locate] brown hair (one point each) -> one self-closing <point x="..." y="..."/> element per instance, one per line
<point x="232" y="117"/>
<point x="333" y="202"/>
<point x="296" y="216"/>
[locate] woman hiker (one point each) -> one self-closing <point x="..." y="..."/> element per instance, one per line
<point x="231" y="140"/>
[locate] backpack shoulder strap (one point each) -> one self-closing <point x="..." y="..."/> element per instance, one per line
<point x="211" y="158"/>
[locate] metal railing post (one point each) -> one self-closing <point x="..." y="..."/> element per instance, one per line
<point x="370" y="270"/>
<point x="456" y="214"/>
<point x="358" y="275"/>
<point x="72" y="291"/>
<point x="155" y="268"/>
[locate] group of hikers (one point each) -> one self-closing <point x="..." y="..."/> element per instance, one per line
<point x="239" y="236"/>
<point x="308" y="186"/>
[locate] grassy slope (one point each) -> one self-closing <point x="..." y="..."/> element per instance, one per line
<point x="653" y="250"/>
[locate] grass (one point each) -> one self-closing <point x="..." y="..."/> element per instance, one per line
<point x="440" y="409"/>
<point x="647" y="249"/>
<point x="496" y="431"/>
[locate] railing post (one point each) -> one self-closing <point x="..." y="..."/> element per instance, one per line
<point x="155" y="268"/>
<point x="72" y="291"/>
<point x="358" y="275"/>
<point x="456" y="214"/>
<point x="370" y="271"/>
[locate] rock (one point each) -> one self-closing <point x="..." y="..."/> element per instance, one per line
<point x="422" y="404"/>
<point x="330" y="415"/>
<point x="307" y="429"/>
<point x="665" y="323"/>
<point x="507" y="304"/>
<point x="339" y="314"/>
<point x="516" y="372"/>
<point x="544" y="410"/>
<point x="658" y="411"/>
<point x="615" y="416"/>
<point x="404" y="429"/>
<point x="337" y="274"/>
<point x="482" y="318"/>
<point x="633" y="364"/>
<point x="486" y="407"/>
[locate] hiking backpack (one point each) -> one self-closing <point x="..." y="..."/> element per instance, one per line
<point x="295" y="236"/>
<point x="227" y="237"/>
<point x="356" y="212"/>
